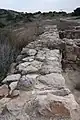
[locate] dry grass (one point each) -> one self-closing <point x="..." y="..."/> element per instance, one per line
<point x="25" y="34"/>
<point x="13" y="40"/>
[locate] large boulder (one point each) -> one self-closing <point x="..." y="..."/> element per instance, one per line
<point x="56" y="107"/>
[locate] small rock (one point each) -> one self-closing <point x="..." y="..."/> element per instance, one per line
<point x="52" y="107"/>
<point x="21" y="66"/>
<point x="28" y="59"/>
<point x="30" y="69"/>
<point x="13" y="86"/>
<point x="24" y="51"/>
<point x="19" y="58"/>
<point x="30" y="52"/>
<point x="36" y="64"/>
<point x="33" y="76"/>
<point x="41" y="55"/>
<point x="4" y="90"/>
<point x="25" y="83"/>
<point x="12" y="78"/>
<point x="15" y="93"/>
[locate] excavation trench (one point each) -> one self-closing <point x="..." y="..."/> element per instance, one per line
<point x="71" y="60"/>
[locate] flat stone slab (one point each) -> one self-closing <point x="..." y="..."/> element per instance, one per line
<point x="42" y="90"/>
<point x="12" y="78"/>
<point x="55" y="80"/>
<point x="50" y="67"/>
<point x="29" y="52"/>
<point x="29" y="67"/>
<point x="23" y="65"/>
<point x="33" y="76"/>
<point x="44" y="54"/>
<point x="28" y="59"/>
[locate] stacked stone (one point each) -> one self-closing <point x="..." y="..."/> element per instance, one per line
<point x="37" y="89"/>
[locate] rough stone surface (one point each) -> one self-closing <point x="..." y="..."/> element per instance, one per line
<point x="12" y="78"/>
<point x="29" y="52"/>
<point x="28" y="59"/>
<point x="25" y="83"/>
<point x="33" y="76"/>
<point x="15" y="93"/>
<point x="29" y="67"/>
<point x="52" y="106"/>
<point x="50" y="67"/>
<point x="54" y="79"/>
<point x="13" y="86"/>
<point x="19" y="58"/>
<point x="60" y="92"/>
<point x="4" y="90"/>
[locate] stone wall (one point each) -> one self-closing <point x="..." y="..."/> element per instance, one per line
<point x="34" y="88"/>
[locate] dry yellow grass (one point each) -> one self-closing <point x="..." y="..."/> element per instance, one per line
<point x="23" y="35"/>
<point x="12" y="40"/>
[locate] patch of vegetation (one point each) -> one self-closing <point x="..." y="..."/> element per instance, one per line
<point x="12" y="40"/>
<point x="76" y="12"/>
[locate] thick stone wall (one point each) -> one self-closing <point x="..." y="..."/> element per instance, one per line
<point x="34" y="88"/>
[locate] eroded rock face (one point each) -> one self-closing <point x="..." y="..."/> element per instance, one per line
<point x="39" y="91"/>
